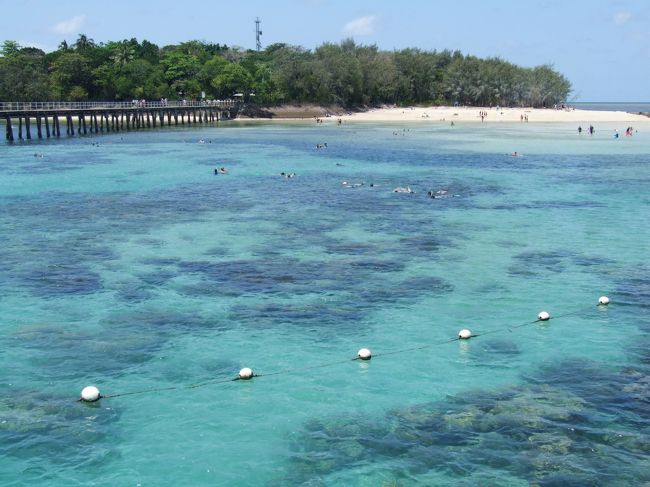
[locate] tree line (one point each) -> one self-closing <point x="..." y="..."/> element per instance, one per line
<point x="346" y="73"/>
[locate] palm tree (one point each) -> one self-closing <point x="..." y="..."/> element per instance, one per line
<point x="123" y="54"/>
<point x="83" y="43"/>
<point x="9" y="48"/>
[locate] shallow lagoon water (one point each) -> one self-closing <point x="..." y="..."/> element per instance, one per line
<point x="131" y="266"/>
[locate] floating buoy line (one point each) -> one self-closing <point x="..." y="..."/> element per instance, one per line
<point x="91" y="393"/>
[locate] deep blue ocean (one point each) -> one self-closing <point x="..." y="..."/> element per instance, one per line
<point x="128" y="264"/>
<point x="631" y="107"/>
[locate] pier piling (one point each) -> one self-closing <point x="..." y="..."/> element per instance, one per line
<point x="10" y="130"/>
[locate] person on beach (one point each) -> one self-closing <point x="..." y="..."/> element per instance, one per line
<point x="591" y="130"/>
<point x="579" y="129"/>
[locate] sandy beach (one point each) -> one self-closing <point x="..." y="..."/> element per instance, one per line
<point x="491" y="115"/>
<point x="448" y="114"/>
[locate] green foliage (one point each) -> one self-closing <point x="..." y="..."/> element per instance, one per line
<point x="179" y="66"/>
<point x="231" y="79"/>
<point x="343" y="73"/>
<point x="23" y="74"/>
<point x="70" y="70"/>
<point x="122" y="53"/>
<point x="210" y="70"/>
<point x="77" y="93"/>
<point x="9" y="48"/>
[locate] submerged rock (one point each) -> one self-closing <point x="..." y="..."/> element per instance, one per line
<point x="552" y="431"/>
<point x="36" y="425"/>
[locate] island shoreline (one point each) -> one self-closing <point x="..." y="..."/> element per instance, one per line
<point x="321" y="113"/>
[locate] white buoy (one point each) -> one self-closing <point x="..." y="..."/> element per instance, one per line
<point x="543" y="316"/>
<point x="364" y="354"/>
<point x="604" y="300"/>
<point x="464" y="334"/>
<point x="246" y="373"/>
<point x="90" y="394"/>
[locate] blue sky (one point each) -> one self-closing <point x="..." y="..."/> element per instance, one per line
<point x="602" y="46"/>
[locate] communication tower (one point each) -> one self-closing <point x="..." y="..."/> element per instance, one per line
<point x="258" y="33"/>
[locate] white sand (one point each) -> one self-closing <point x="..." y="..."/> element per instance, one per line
<point x="465" y="114"/>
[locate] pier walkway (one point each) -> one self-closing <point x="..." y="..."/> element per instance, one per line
<point x="99" y="117"/>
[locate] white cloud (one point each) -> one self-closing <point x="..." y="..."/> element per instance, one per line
<point x="361" y="26"/>
<point x="622" y="17"/>
<point x="69" y="26"/>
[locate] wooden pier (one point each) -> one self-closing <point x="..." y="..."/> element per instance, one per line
<point x="100" y="117"/>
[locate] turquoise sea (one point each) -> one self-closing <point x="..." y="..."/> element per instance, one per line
<point x="126" y="263"/>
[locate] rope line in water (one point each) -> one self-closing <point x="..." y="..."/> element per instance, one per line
<point x="172" y="388"/>
<point x="310" y="367"/>
<point x="421" y="347"/>
<point x="92" y="394"/>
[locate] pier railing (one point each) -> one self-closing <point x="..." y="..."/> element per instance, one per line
<point x="103" y="105"/>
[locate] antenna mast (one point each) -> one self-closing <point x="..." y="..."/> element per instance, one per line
<point x="258" y="33"/>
